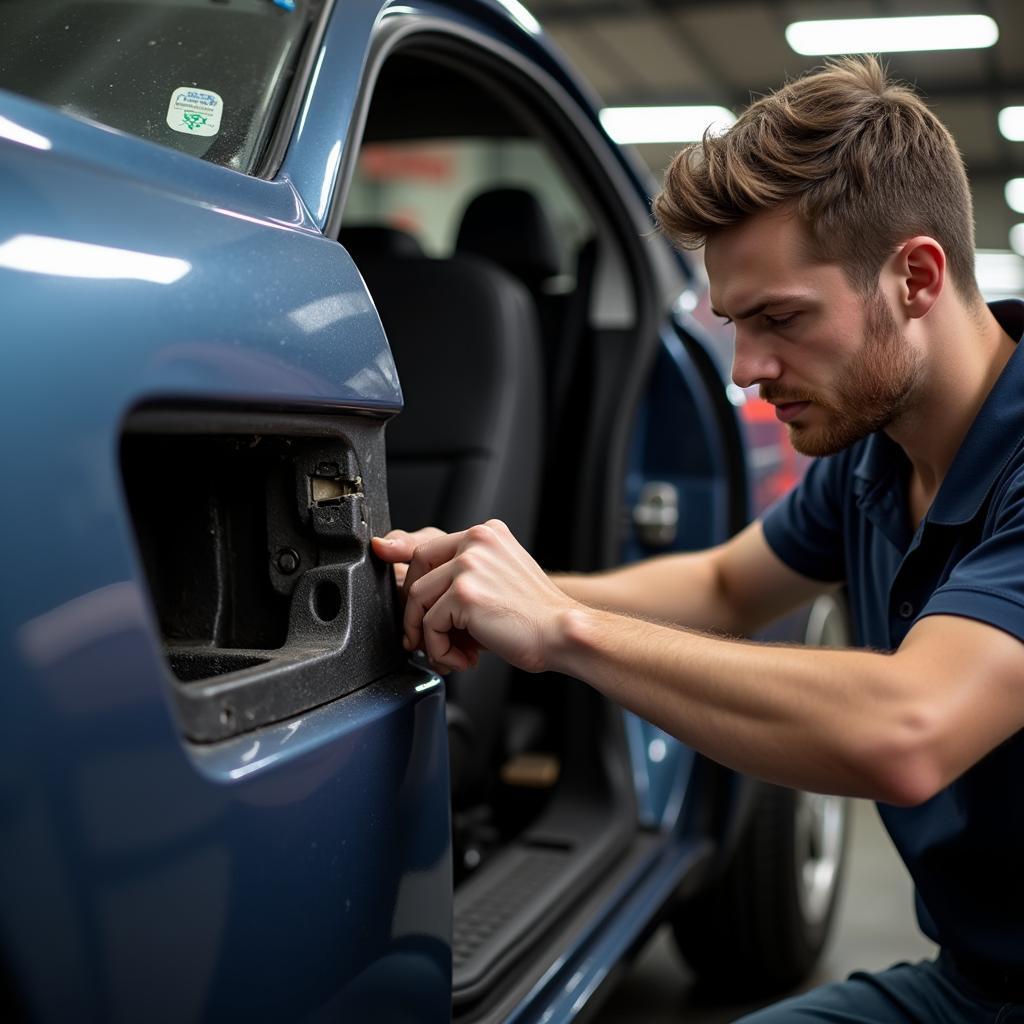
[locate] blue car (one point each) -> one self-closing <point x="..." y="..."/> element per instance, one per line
<point x="276" y="276"/>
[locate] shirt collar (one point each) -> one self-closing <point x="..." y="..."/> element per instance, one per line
<point x="994" y="435"/>
<point x="992" y="438"/>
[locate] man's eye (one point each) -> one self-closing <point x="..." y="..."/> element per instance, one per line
<point x="778" y="322"/>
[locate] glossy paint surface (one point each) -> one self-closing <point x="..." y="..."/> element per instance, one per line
<point x="297" y="870"/>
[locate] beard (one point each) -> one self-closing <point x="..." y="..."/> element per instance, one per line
<point x="870" y="393"/>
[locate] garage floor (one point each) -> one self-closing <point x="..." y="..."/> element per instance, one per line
<point x="875" y="928"/>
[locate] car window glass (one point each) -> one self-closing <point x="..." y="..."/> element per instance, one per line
<point x="202" y="76"/>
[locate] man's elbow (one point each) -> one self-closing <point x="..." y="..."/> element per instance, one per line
<point x="905" y="769"/>
<point x="909" y="785"/>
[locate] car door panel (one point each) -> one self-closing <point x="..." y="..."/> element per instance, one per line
<point x="291" y="869"/>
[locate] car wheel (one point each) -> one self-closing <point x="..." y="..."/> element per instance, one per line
<point x="760" y="929"/>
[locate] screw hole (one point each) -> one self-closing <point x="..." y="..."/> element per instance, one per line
<point x="227" y="715"/>
<point x="327" y="601"/>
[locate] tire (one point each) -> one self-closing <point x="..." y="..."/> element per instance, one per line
<point x="761" y="927"/>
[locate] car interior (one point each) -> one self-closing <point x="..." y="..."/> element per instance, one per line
<point x="519" y="341"/>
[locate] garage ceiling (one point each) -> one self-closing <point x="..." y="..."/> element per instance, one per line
<point x="638" y="52"/>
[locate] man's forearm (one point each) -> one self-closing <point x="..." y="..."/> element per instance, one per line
<point x="832" y="721"/>
<point x="679" y="588"/>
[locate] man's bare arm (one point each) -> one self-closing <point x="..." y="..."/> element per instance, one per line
<point x="734" y="588"/>
<point x="893" y="727"/>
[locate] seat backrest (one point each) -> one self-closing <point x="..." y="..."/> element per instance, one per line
<point x="365" y="240"/>
<point x="509" y="227"/>
<point x="468" y="445"/>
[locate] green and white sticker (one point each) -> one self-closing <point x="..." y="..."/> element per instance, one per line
<point x="195" y="111"/>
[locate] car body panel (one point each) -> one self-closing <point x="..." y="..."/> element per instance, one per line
<point x="289" y="871"/>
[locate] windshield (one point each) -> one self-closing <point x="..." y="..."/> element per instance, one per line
<point x="204" y="76"/>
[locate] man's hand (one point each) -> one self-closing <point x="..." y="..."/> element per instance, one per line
<point x="478" y="590"/>
<point x="398" y="547"/>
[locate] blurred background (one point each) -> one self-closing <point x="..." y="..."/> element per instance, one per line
<point x="721" y="53"/>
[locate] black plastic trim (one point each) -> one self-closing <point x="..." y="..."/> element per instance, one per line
<point x="338" y="615"/>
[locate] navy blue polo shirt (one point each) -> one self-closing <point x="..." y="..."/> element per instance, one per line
<point x="849" y="521"/>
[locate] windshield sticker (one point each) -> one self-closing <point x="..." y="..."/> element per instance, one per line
<point x="195" y="111"/>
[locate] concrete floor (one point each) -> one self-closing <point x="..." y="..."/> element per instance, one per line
<point x="875" y="927"/>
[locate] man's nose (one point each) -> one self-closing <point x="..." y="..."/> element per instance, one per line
<point x="753" y="363"/>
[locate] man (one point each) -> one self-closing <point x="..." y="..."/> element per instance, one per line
<point x="838" y="230"/>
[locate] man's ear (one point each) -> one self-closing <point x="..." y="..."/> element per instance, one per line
<point x="920" y="268"/>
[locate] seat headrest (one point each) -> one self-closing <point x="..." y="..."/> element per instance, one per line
<point x="379" y="240"/>
<point x="509" y="227"/>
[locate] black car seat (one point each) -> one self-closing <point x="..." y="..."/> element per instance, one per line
<point x="509" y="227"/>
<point x="468" y="445"/>
<point x="377" y="240"/>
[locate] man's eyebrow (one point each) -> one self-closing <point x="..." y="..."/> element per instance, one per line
<point x="770" y="300"/>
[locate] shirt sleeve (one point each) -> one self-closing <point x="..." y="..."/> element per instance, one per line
<point x="805" y="527"/>
<point x="987" y="584"/>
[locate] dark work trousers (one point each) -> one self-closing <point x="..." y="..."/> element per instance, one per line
<point x="923" y="993"/>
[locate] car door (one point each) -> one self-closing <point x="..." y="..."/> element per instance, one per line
<point x="223" y="790"/>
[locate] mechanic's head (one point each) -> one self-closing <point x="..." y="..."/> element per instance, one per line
<point x="863" y="162"/>
<point x="844" y="196"/>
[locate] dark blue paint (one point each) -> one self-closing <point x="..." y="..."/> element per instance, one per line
<point x="304" y="867"/>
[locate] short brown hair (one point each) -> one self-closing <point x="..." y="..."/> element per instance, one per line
<point x="863" y="159"/>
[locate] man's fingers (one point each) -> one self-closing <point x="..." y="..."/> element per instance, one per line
<point x="399" y="545"/>
<point x="392" y="548"/>
<point x="420" y="595"/>
<point x="396" y="546"/>
<point x="430" y="554"/>
<point x="442" y="629"/>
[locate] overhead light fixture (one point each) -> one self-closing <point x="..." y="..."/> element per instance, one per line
<point x="1011" y="123"/>
<point x="1015" y="194"/>
<point x="1017" y="239"/>
<point x="891" y="35"/>
<point x="636" y="125"/>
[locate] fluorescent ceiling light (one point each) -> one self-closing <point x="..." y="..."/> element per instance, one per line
<point x="1015" y="194"/>
<point x="635" y="125"/>
<point x="889" y="35"/>
<point x="1011" y="123"/>
<point x="38" y="254"/>
<point x="1017" y="238"/>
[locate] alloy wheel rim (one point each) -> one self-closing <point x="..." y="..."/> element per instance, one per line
<point x="820" y="826"/>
